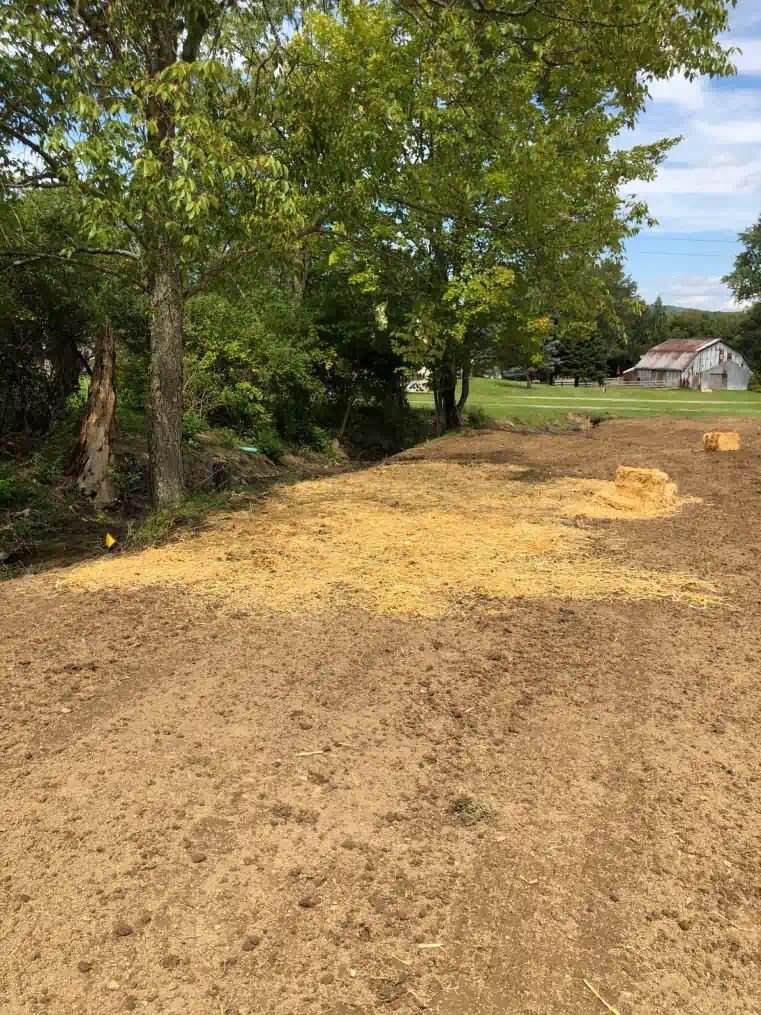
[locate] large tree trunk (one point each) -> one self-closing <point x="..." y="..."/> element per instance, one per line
<point x="436" y="402"/>
<point x="448" y="400"/>
<point x="93" y="458"/>
<point x="465" y="388"/>
<point x="166" y="388"/>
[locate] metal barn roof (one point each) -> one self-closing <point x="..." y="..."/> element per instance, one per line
<point x="675" y="354"/>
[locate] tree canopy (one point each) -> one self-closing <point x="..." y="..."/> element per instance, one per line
<point x="453" y="161"/>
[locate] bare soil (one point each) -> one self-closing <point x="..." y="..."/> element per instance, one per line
<point x="327" y="783"/>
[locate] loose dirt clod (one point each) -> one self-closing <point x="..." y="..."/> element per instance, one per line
<point x="721" y="440"/>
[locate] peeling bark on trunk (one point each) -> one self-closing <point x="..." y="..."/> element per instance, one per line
<point x="92" y="460"/>
<point x="166" y="388"/>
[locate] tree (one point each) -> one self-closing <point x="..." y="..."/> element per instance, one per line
<point x="51" y="311"/>
<point x="450" y="142"/>
<point x="507" y="168"/>
<point x="619" y="318"/>
<point x="657" y="322"/>
<point x="581" y="354"/>
<point x="141" y="111"/>
<point x="748" y="336"/>
<point x="93" y="458"/>
<point x="745" y="279"/>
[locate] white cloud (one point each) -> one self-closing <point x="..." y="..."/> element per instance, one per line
<point x="711" y="180"/>
<point x="731" y="132"/>
<point x="727" y="179"/>
<point x="702" y="292"/>
<point x="678" y="91"/>
<point x="698" y="212"/>
<point x="749" y="60"/>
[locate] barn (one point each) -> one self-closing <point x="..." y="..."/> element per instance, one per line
<point x="705" y="363"/>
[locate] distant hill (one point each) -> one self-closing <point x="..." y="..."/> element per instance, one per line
<point x="670" y="309"/>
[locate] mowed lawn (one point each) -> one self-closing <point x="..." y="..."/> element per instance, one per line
<point x="545" y="403"/>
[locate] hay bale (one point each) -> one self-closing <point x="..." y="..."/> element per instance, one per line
<point x="721" y="440"/>
<point x="649" y="485"/>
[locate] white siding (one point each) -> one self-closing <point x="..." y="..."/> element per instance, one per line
<point x="709" y="357"/>
<point x="738" y="371"/>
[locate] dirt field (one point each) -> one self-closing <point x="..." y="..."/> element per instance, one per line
<point x="456" y="734"/>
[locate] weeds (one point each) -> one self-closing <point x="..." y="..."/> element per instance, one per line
<point x="267" y="439"/>
<point x="160" y="525"/>
<point x="192" y="423"/>
<point x="469" y="811"/>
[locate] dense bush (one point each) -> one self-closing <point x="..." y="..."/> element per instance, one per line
<point x="479" y="419"/>
<point x="13" y="492"/>
<point x="250" y="365"/>
<point x="267" y="440"/>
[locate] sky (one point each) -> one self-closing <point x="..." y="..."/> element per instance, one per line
<point x="709" y="188"/>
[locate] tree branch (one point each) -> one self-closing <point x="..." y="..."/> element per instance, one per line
<point x="38" y="254"/>
<point x="22" y="139"/>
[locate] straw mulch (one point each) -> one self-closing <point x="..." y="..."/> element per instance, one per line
<point x="410" y="537"/>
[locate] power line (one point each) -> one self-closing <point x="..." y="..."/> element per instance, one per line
<point x="674" y="253"/>
<point x="685" y="239"/>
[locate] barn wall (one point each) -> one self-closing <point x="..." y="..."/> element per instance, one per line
<point x="698" y="373"/>
<point x="738" y="378"/>
<point x="710" y="357"/>
<point x="668" y="378"/>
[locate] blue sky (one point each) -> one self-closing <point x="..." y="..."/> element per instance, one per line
<point x="710" y="186"/>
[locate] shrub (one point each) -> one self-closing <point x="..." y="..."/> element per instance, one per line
<point x="192" y="424"/>
<point x="46" y="470"/>
<point x="228" y="437"/>
<point x="268" y="440"/>
<point x="479" y="419"/>
<point x="319" y="438"/>
<point x="13" y="493"/>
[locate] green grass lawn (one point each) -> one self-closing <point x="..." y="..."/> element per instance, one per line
<point x="543" y="403"/>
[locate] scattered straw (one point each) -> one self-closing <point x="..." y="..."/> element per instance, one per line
<point x="598" y="995"/>
<point x="411" y="537"/>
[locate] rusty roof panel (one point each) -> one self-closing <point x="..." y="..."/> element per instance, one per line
<point x="675" y="354"/>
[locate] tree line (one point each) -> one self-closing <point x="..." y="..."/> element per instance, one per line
<point x="277" y="204"/>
